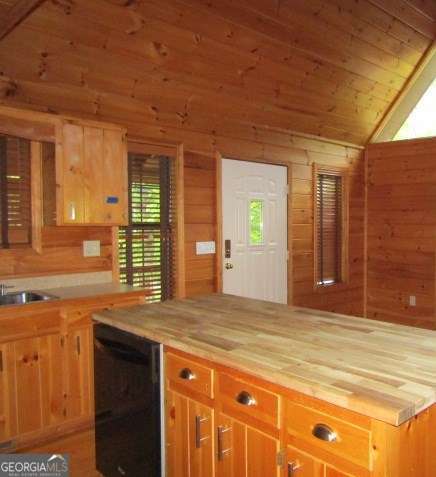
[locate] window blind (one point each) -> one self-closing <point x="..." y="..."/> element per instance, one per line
<point x="146" y="245"/>
<point x="15" y="210"/>
<point x="329" y="228"/>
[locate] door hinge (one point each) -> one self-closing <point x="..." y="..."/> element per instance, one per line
<point x="78" y="344"/>
<point x="287" y="189"/>
<point x="281" y="458"/>
<point x="287" y="255"/>
<point x="62" y="341"/>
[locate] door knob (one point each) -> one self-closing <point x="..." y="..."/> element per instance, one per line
<point x="229" y="266"/>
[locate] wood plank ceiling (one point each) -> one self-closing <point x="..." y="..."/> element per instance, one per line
<point x="243" y="68"/>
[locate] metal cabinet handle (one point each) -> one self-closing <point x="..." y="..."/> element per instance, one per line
<point x="293" y="467"/>
<point x="221" y="451"/>
<point x="324" y="433"/>
<point x="229" y="266"/>
<point x="187" y="374"/>
<point x="198" y="438"/>
<point x="246" y="399"/>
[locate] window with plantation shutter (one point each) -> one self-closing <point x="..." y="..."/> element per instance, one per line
<point x="146" y="245"/>
<point x="15" y="207"/>
<point x="329" y="227"/>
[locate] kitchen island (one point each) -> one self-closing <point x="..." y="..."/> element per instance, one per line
<point x="260" y="389"/>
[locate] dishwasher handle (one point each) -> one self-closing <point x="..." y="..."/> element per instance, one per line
<point x="122" y="351"/>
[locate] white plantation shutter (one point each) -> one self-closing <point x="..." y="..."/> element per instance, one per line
<point x="146" y="245"/>
<point x="329" y="191"/>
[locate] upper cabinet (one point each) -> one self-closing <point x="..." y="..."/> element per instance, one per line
<point x="91" y="175"/>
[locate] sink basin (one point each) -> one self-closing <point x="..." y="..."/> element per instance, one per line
<point x="21" y="298"/>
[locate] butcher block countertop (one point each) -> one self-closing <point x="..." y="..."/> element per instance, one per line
<point x="382" y="370"/>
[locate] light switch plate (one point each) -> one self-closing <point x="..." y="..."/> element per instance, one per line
<point x="205" y="248"/>
<point x="91" y="248"/>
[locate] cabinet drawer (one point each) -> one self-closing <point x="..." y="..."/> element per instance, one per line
<point x="348" y="441"/>
<point x="189" y="374"/>
<point x="240" y="398"/>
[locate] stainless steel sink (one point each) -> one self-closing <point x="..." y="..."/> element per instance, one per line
<point x="21" y="298"/>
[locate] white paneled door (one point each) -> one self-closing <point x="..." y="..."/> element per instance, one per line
<point x="254" y="230"/>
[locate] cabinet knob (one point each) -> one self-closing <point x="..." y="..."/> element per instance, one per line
<point x="187" y="374"/>
<point x="246" y="399"/>
<point x="324" y="433"/>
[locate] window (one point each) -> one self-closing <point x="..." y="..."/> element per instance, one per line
<point x="256" y="221"/>
<point x="421" y="121"/>
<point x="146" y="254"/>
<point x="15" y="207"/>
<point x="330" y="215"/>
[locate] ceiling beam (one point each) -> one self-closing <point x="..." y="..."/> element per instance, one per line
<point x="17" y="14"/>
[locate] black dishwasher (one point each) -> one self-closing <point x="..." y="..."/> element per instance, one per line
<point x="128" y="407"/>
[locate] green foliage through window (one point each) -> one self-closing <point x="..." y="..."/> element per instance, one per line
<point x="256" y="222"/>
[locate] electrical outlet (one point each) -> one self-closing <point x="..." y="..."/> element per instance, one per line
<point x="412" y="300"/>
<point x="91" y="248"/>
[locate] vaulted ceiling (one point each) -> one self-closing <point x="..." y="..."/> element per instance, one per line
<point x="329" y="68"/>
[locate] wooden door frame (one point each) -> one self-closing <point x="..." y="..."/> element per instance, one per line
<point x="219" y="220"/>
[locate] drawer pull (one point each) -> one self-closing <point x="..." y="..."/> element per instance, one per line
<point x="221" y="451"/>
<point x="293" y="467"/>
<point x="198" y="439"/>
<point x="246" y="399"/>
<point x="324" y="433"/>
<point x="187" y="374"/>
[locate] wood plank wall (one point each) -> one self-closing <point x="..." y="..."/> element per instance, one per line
<point x="200" y="221"/>
<point x="402" y="232"/>
<point x="346" y="297"/>
<point x="61" y="253"/>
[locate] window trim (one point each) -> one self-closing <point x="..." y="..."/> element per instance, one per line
<point x="343" y="173"/>
<point x="175" y="152"/>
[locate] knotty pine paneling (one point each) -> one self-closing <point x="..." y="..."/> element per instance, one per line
<point x="345" y="297"/>
<point x="249" y="69"/>
<point x="200" y="221"/>
<point x="61" y="253"/>
<point x="402" y="232"/>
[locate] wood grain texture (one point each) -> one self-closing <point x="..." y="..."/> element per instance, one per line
<point x="351" y="362"/>
<point x="200" y="210"/>
<point x="61" y="253"/>
<point x="19" y="11"/>
<point x="241" y="69"/>
<point x="401" y="233"/>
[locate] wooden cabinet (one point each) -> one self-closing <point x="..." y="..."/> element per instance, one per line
<point x="244" y="451"/>
<point x="91" y="175"/>
<point x="190" y="439"/>
<point x="79" y="372"/>
<point x="299" y="464"/>
<point x="232" y="445"/>
<point x="31" y="389"/>
<point x="46" y="368"/>
<point x="263" y="430"/>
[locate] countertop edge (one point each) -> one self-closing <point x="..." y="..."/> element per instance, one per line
<point x="390" y="415"/>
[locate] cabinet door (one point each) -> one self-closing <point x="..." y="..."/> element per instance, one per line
<point x="335" y="473"/>
<point x="70" y="171"/>
<point x="177" y="439"/>
<point x="79" y="391"/>
<point x="114" y="197"/>
<point x="243" y="451"/>
<point x="92" y="176"/>
<point x="299" y="464"/>
<point x="231" y="447"/>
<point x="8" y="404"/>
<point x="262" y="451"/>
<point x="201" y="440"/>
